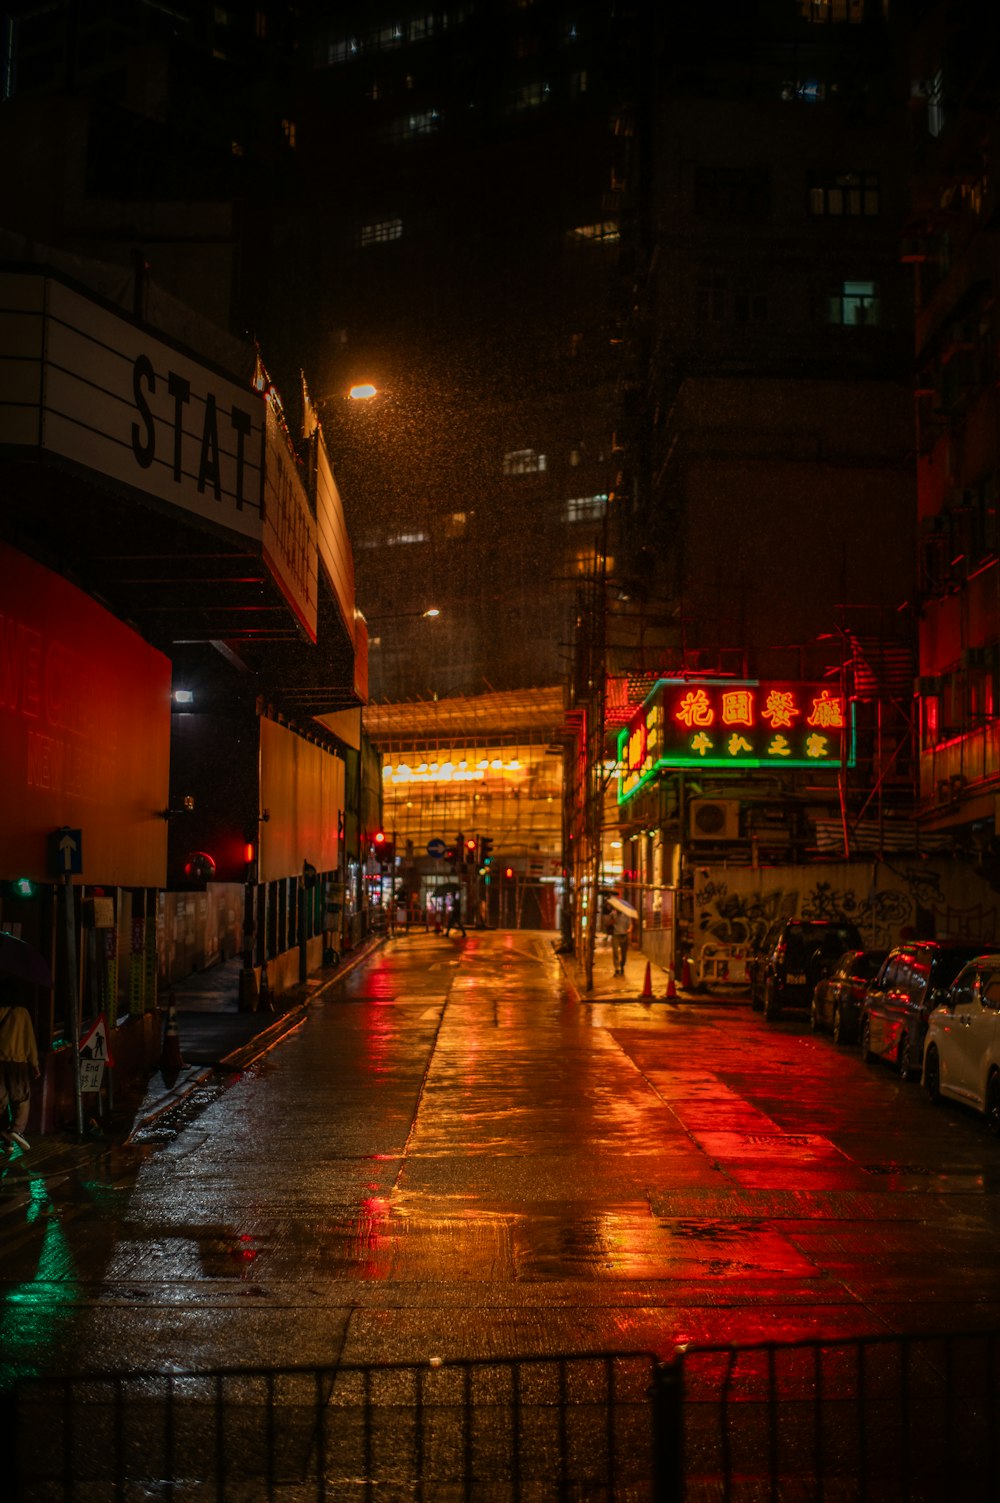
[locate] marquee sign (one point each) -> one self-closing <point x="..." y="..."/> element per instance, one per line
<point x="734" y="723"/>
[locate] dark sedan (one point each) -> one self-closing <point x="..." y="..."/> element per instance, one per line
<point x="836" y="1001"/>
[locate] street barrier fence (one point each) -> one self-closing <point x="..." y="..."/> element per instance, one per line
<point x="874" y="1419"/>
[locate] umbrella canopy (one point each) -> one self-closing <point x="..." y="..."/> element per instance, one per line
<point x="624" y="907"/>
<point x="21" y="960"/>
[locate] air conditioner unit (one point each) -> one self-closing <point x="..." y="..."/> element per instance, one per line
<point x="715" y="819"/>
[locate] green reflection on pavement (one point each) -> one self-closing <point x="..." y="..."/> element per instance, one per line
<point x="33" y="1314"/>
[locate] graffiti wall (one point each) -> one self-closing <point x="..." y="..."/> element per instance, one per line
<point x="909" y="899"/>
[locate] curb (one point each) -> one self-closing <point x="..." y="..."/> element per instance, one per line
<point x="260" y="1044"/>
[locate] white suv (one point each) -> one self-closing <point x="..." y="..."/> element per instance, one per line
<point x="962" y="1047"/>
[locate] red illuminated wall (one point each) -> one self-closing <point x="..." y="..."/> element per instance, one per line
<point x="84" y="731"/>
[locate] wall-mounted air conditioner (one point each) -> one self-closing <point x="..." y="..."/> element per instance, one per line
<point x="714" y="819"/>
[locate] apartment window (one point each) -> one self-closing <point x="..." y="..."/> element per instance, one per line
<point x="819" y="12"/>
<point x="853" y="304"/>
<point x="456" y="524"/>
<point x="710" y="298"/>
<point x="411" y="127"/>
<point x="342" y="50"/>
<point x="604" y="230"/>
<point x="524" y="462"/>
<point x="288" y="130"/>
<point x="585" y="508"/>
<point x="403" y="538"/>
<point x="381" y="231"/>
<point x="577" y="84"/>
<point x="852" y="195"/>
<point x="529" y="97"/>
<point x="804" y="90"/>
<point x="749" y="304"/>
<point x="732" y="192"/>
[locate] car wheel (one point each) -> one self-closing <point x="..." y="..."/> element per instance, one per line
<point x="838" y="1025"/>
<point x="772" y="1007"/>
<point x="932" y="1075"/>
<point x="866" y="1040"/>
<point x="993" y="1102"/>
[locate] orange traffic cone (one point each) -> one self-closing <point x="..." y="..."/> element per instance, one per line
<point x="671" y="988"/>
<point x="685" y="974"/>
<point x="647" y="985"/>
<point x="170" y="1059"/>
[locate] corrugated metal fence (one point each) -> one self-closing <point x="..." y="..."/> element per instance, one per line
<point x="914" y="1419"/>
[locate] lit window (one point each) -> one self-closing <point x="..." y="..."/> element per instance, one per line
<point x="854" y="303"/>
<point x="456" y="523"/>
<point x="424" y="124"/>
<point x="529" y="96"/>
<point x="406" y="537"/>
<point x="288" y="127"/>
<point x="807" y="90"/>
<point x="524" y="462"/>
<point x="604" y="230"/>
<point x="341" y="51"/>
<point x="584" y="508"/>
<point x="577" y="84"/>
<point x="822" y="11"/>
<point x="852" y="195"/>
<point x="381" y="231"/>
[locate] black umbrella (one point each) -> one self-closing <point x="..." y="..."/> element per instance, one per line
<point x="21" y="960"/>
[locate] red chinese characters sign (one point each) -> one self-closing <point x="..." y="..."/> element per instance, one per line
<point x="733" y="723"/>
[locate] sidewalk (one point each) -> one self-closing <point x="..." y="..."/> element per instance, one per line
<point x="611" y="988"/>
<point x="214" y="1034"/>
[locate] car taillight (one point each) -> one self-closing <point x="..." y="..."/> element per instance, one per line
<point x="779" y="953"/>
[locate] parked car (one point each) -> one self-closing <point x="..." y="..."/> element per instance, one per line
<point x="796" y="954"/>
<point x="912" y="981"/>
<point x="837" y="999"/>
<point x="962" y="1047"/>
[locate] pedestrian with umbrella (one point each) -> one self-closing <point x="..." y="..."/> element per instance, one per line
<point x="18" y="1050"/>
<point x="624" y="913"/>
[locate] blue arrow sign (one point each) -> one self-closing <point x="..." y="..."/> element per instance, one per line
<point x="66" y="852"/>
<point x="436" y="848"/>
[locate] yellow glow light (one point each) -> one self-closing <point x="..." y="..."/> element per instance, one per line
<point x="363" y="392"/>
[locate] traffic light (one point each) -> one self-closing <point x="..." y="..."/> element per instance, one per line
<point x="485" y="850"/>
<point x="469" y="853"/>
<point x="383" y="847"/>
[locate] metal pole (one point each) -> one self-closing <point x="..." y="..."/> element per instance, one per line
<point x="72" y="998"/>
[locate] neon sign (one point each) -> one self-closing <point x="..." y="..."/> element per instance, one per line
<point x="732" y="723"/>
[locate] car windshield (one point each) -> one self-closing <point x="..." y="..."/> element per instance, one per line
<point x="947" y="964"/>
<point x="867" y="964"/>
<point x="802" y="944"/>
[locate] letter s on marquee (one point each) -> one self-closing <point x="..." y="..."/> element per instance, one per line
<point x="143" y="444"/>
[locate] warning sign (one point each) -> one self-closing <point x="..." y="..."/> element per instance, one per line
<point x="95" y="1053"/>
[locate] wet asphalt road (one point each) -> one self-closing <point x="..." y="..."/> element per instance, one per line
<point x="451" y="1156"/>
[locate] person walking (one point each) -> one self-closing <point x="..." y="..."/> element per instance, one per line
<point x="620" y="931"/>
<point x="454" y="918"/>
<point x="18" y="1068"/>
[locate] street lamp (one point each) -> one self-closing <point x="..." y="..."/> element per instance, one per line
<point x="363" y="392"/>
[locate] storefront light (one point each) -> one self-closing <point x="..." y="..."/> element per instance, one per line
<point x="497" y="764"/>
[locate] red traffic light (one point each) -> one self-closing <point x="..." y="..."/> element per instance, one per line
<point x="380" y="837"/>
<point x="470" y="844"/>
<point x="509" y="872"/>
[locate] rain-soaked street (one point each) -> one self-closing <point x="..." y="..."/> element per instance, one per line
<point x="452" y="1156"/>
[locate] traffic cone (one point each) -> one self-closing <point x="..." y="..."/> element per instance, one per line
<point x="685" y="975"/>
<point x="671" y="988"/>
<point x="647" y="985"/>
<point x="170" y="1059"/>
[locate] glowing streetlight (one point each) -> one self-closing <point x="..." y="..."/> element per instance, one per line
<point x="363" y="392"/>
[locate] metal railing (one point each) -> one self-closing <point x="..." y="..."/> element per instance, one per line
<point x="603" y="1427"/>
<point x="873" y="1419"/>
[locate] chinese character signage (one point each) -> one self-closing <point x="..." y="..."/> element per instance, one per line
<point x="722" y="723"/>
